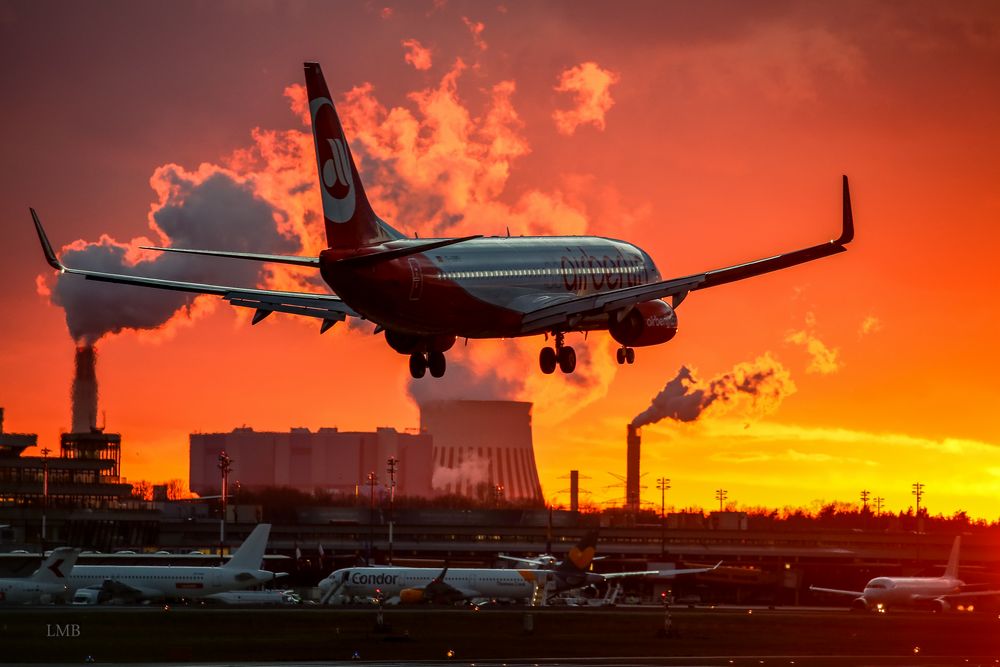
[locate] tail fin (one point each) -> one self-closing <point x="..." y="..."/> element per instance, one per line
<point x="57" y="566"/>
<point x="251" y="552"/>
<point x="580" y="556"/>
<point x="350" y="220"/>
<point x="951" y="572"/>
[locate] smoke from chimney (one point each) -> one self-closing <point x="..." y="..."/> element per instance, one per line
<point x="196" y="211"/>
<point x="761" y="385"/>
<point x="85" y="389"/>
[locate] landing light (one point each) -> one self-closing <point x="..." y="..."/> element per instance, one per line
<point x="916" y="650"/>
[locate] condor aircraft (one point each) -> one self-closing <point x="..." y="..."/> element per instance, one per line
<point x="425" y="293"/>
<point x="938" y="593"/>
<point x="46" y="584"/>
<point x="410" y="585"/>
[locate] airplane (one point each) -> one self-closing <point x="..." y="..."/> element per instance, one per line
<point x="410" y="585"/>
<point x="424" y="294"/>
<point x="134" y="583"/>
<point x="46" y="584"/>
<point x="938" y="593"/>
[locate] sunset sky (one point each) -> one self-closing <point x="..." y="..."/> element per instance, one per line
<point x="707" y="133"/>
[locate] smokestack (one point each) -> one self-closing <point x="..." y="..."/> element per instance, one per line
<point x="574" y="490"/>
<point x="85" y="389"/>
<point x="633" y="441"/>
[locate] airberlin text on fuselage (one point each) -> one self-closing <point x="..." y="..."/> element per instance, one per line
<point x="585" y="271"/>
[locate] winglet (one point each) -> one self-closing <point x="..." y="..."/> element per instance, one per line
<point x="847" y="235"/>
<point x="50" y="255"/>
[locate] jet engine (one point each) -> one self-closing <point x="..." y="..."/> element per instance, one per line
<point x="407" y="343"/>
<point x="859" y="604"/>
<point x="412" y="596"/>
<point x="648" y="323"/>
<point x="942" y="606"/>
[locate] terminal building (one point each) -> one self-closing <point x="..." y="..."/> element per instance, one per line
<point x="85" y="476"/>
<point x="328" y="459"/>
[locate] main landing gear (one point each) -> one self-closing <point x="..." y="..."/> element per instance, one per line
<point x="434" y="362"/>
<point x="625" y="355"/>
<point x="563" y="355"/>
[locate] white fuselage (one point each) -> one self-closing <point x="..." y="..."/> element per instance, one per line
<point x="907" y="591"/>
<point x="388" y="582"/>
<point x="28" y="591"/>
<point x="162" y="581"/>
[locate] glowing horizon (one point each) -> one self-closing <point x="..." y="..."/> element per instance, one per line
<point x="713" y="138"/>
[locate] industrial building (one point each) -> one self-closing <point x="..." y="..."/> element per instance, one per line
<point x="328" y="459"/>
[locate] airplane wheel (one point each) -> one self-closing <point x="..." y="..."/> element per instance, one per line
<point x="629" y="355"/>
<point x="620" y="355"/>
<point x="436" y="363"/>
<point x="418" y="365"/>
<point x="547" y="360"/>
<point x="567" y="360"/>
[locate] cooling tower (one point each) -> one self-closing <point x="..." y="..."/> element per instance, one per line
<point x="481" y="447"/>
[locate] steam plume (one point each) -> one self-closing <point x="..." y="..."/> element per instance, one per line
<point x="759" y="386"/>
<point x="211" y="209"/>
<point x="85" y="389"/>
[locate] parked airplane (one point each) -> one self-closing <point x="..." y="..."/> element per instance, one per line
<point x="426" y="293"/>
<point x="46" y="584"/>
<point x="939" y="593"/>
<point x="133" y="583"/>
<point x="450" y="585"/>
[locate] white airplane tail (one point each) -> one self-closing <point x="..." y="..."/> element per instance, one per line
<point x="56" y="568"/>
<point x="951" y="572"/>
<point x="251" y="552"/>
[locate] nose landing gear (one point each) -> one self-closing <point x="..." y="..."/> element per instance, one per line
<point x="563" y="355"/>
<point x="625" y="355"/>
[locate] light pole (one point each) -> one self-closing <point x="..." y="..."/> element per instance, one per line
<point x="721" y="494"/>
<point x="918" y="491"/>
<point x="879" y="500"/>
<point x="392" y="463"/>
<point x="225" y="467"/>
<point x="372" y="479"/>
<point x="45" y="490"/>
<point x="663" y="484"/>
<point x="865" y="495"/>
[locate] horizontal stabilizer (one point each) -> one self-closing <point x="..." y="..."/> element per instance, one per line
<point x="385" y="255"/>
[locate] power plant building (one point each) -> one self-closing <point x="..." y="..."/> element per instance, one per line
<point x="483" y="448"/>
<point x="328" y="459"/>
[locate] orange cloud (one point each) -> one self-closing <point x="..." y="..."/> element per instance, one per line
<point x="590" y="86"/>
<point x="416" y="54"/>
<point x="476" y="28"/>
<point x="822" y="359"/>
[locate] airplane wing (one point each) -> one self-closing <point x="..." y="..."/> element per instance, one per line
<point x="660" y="573"/>
<point x="529" y="561"/>
<point x="957" y="598"/>
<point x="836" y="591"/>
<point x="568" y="312"/>
<point x="326" y="307"/>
